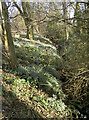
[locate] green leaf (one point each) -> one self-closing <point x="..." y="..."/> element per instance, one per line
<point x="35" y="98"/>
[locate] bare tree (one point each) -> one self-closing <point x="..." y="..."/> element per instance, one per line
<point x="27" y="18"/>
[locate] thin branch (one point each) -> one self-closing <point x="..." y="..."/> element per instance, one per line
<point x="21" y="12"/>
<point x="15" y="16"/>
<point x="9" y="5"/>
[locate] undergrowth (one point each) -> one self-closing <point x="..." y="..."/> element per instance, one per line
<point x="46" y="82"/>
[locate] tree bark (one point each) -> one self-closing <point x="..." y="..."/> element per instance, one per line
<point x="65" y="17"/>
<point x="27" y="20"/>
<point x="8" y="40"/>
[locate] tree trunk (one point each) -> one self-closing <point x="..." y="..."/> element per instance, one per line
<point x="27" y="20"/>
<point x="8" y="40"/>
<point x="29" y="16"/>
<point x="87" y="13"/>
<point x="27" y="27"/>
<point x="65" y="17"/>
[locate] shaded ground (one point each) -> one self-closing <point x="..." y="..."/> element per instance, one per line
<point x="12" y="107"/>
<point x="17" y="105"/>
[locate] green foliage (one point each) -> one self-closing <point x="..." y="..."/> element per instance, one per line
<point x="42" y="77"/>
<point x="21" y="71"/>
<point x="8" y="80"/>
<point x="38" y="53"/>
<point x="22" y="89"/>
<point x="39" y="69"/>
<point x="50" y="84"/>
<point x="58" y="105"/>
<point x="40" y="63"/>
<point x="55" y="30"/>
<point x="75" y="54"/>
<point x="41" y="72"/>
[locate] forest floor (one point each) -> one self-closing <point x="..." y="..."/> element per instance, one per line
<point x="20" y="106"/>
<point x="34" y="89"/>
